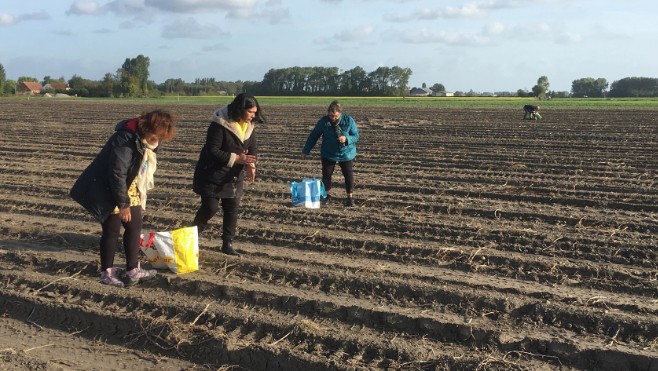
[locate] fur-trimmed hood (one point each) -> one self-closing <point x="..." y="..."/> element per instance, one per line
<point x="220" y="116"/>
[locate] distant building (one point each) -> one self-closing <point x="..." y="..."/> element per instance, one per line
<point x="444" y="94"/>
<point x="29" y="88"/>
<point x="59" y="86"/>
<point x="420" y="92"/>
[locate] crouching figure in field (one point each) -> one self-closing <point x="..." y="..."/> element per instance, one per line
<point x="531" y="112"/>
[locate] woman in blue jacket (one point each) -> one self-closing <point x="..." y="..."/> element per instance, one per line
<point x="113" y="188"/>
<point x="339" y="136"/>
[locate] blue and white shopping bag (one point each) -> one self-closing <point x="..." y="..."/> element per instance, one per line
<point x="307" y="193"/>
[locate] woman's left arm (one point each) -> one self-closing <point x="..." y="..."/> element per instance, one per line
<point x="252" y="149"/>
<point x="253" y="144"/>
<point x="352" y="132"/>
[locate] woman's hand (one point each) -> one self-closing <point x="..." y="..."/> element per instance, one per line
<point x="124" y="212"/>
<point x="251" y="172"/>
<point x="245" y="159"/>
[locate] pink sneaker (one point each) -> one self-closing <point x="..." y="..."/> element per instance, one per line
<point x="138" y="274"/>
<point x="110" y="276"/>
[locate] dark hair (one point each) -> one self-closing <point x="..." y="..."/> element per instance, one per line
<point x="334" y="107"/>
<point x="159" y="122"/>
<point x="240" y="104"/>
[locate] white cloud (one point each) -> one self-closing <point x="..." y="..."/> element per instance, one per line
<point x="237" y="7"/>
<point x="215" y="47"/>
<point x="85" y="8"/>
<point x="477" y="9"/>
<point x="466" y="11"/>
<point x="6" y="19"/>
<point x="568" y="38"/>
<point x="189" y="28"/>
<point x="426" y="36"/>
<point x="356" y="34"/>
<point x="36" y="16"/>
<point x="495" y="28"/>
<point x="274" y="13"/>
<point x="126" y="7"/>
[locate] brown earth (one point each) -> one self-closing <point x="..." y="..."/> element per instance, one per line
<point x="480" y="241"/>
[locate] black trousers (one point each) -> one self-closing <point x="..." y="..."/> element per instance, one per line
<point x="131" y="235"/>
<point x="346" y="167"/>
<point x="210" y="207"/>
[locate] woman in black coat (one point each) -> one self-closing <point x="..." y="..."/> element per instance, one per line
<point x="113" y="188"/>
<point x="226" y="160"/>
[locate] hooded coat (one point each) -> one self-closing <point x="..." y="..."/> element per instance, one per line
<point x="216" y="174"/>
<point x="104" y="184"/>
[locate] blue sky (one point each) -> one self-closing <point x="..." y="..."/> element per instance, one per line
<point x="485" y="46"/>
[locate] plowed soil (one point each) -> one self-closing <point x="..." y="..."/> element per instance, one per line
<point x="480" y="241"/>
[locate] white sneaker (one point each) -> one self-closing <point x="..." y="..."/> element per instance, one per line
<point x="138" y="274"/>
<point x="110" y="276"/>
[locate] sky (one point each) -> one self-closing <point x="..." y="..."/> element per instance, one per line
<point x="484" y="46"/>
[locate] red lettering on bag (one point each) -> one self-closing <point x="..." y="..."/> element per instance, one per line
<point x="150" y="240"/>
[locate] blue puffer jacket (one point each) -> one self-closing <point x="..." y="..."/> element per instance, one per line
<point x="103" y="185"/>
<point x="331" y="149"/>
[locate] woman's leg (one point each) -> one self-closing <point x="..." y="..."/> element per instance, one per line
<point x="131" y="235"/>
<point x="111" y="230"/>
<point x="327" y="172"/>
<point x="208" y="209"/>
<point x="348" y="172"/>
<point x="230" y="211"/>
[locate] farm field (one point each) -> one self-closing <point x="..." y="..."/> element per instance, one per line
<point x="480" y="241"/>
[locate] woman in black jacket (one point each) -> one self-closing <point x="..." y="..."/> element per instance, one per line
<point x="113" y="188"/>
<point x="226" y="160"/>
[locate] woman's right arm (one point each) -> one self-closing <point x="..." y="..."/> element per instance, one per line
<point x="120" y="159"/>
<point x="313" y="137"/>
<point x="214" y="148"/>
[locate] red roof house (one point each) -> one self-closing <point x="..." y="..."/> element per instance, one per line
<point x="29" y="88"/>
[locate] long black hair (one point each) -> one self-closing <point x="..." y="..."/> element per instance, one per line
<point x="240" y="104"/>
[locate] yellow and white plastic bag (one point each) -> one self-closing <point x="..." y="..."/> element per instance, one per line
<point x="177" y="250"/>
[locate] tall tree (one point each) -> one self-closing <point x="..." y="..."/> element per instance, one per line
<point x="76" y="82"/>
<point x="438" y="87"/>
<point x="49" y="80"/>
<point x="172" y="86"/>
<point x="589" y="87"/>
<point x="110" y="86"/>
<point x="354" y="81"/>
<point x="380" y="80"/>
<point x="400" y="80"/>
<point x="541" y="88"/>
<point x="134" y="75"/>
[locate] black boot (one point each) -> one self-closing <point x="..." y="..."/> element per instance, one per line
<point x="227" y="248"/>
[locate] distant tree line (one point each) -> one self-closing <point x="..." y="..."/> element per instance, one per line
<point x="132" y="80"/>
<point x="384" y="81"/>
<point x="634" y="87"/>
